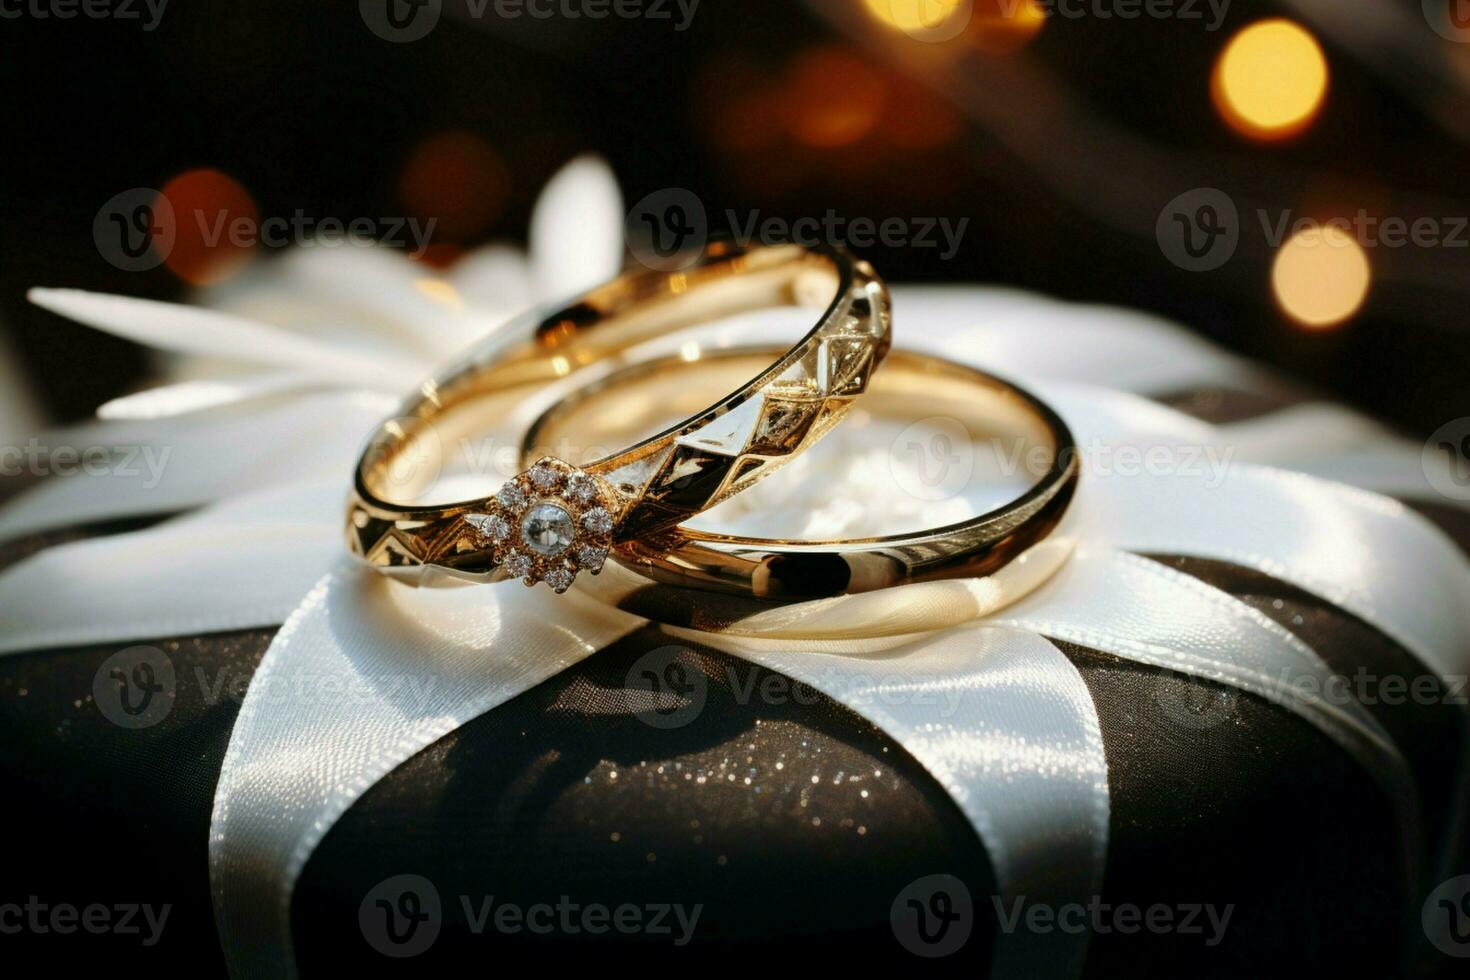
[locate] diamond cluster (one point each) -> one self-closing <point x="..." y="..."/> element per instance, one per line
<point x="547" y="524"/>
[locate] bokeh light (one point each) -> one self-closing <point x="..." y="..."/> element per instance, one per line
<point x="833" y="97"/>
<point x="993" y="26"/>
<point x="1003" y="26"/>
<point x="216" y="226"/>
<point x="1321" y="276"/>
<point x="457" y="180"/>
<point x="1270" y="80"/>
<point x="919" y="17"/>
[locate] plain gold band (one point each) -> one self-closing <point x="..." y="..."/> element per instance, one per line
<point x="696" y="578"/>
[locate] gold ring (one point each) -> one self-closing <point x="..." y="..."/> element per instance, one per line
<point x="688" y="577"/>
<point x="553" y="520"/>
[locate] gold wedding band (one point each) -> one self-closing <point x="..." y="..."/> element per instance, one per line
<point x="554" y="519"/>
<point x="712" y="581"/>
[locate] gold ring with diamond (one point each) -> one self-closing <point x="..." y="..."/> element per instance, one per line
<point x="554" y="520"/>
<point x="719" y="582"/>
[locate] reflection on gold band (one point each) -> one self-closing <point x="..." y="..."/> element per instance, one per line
<point x="554" y="521"/>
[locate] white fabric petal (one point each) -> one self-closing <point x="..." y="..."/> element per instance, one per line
<point x="172" y="464"/>
<point x="495" y="280"/>
<point x="194" y="330"/>
<point x="184" y="397"/>
<point x="1096" y="345"/>
<point x="576" y="230"/>
<point x="240" y="564"/>
<point x="374" y="301"/>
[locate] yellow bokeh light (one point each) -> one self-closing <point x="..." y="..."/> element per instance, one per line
<point x="1271" y="79"/>
<point x="912" y="16"/>
<point x="993" y="26"/>
<point x="440" y="292"/>
<point x="1321" y="276"/>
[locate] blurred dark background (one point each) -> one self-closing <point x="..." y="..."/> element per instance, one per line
<point x="1061" y="140"/>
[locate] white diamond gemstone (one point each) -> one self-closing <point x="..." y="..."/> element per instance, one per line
<point x="518" y="565"/>
<point x="582" y="488"/>
<point x="597" y="520"/>
<point x="591" y="556"/>
<point x="547" y="529"/>
<point x="492" y="527"/>
<point x="544" y="478"/>
<point x="512" y="496"/>
<point x="560" y="579"/>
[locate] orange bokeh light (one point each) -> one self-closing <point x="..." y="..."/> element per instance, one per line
<point x="833" y="98"/>
<point x="216" y="226"/>
<point x="992" y="26"/>
<point x="457" y="180"/>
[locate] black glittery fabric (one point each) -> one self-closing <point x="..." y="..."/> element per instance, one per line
<point x="793" y="824"/>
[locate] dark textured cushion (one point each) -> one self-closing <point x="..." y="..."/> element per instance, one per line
<point x="793" y="824"/>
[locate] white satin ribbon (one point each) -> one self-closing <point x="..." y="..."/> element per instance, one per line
<point x="241" y="563"/>
<point x="1367" y="554"/>
<point x="1021" y="755"/>
<point x="416" y="664"/>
